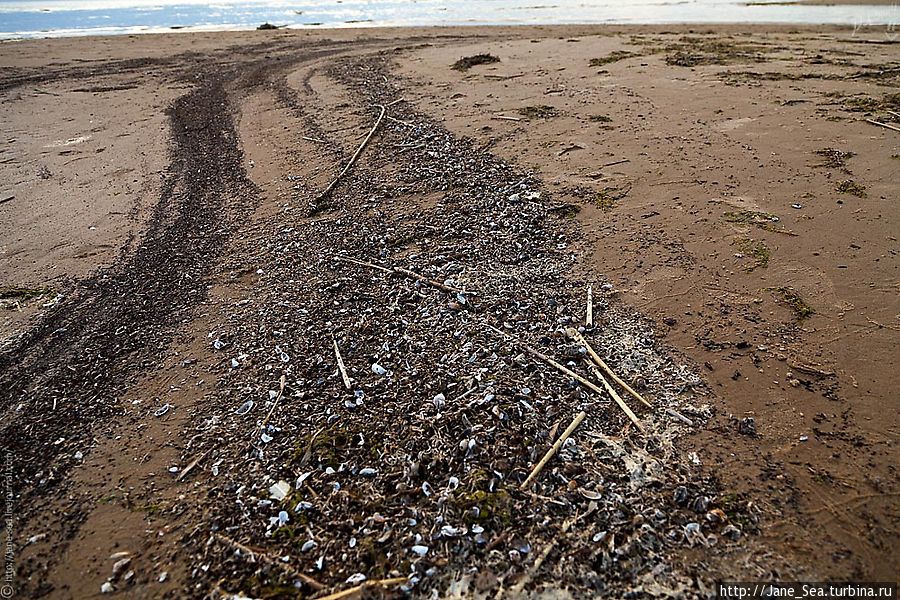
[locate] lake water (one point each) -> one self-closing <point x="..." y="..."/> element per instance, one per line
<point x="46" y="18"/>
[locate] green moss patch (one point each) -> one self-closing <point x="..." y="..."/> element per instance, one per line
<point x="757" y="250"/>
<point x="801" y="309"/>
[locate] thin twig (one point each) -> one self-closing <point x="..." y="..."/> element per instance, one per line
<point x="404" y="272"/>
<point x="589" y="313"/>
<point x="355" y="155"/>
<point x="880" y="124"/>
<point x="574" y="333"/>
<point x="553" y="450"/>
<point x="616" y="162"/>
<point x="358" y="588"/>
<point x="516" y="590"/>
<point x="505" y="118"/>
<point x="271" y="561"/>
<point x="340" y="363"/>
<point x="312" y="139"/>
<point x="191" y="466"/>
<point x="569" y="372"/>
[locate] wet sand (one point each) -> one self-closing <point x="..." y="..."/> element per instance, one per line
<point x="718" y="185"/>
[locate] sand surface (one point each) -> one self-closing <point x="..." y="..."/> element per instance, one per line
<point x="718" y="187"/>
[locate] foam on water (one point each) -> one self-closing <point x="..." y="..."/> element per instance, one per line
<point x="54" y="18"/>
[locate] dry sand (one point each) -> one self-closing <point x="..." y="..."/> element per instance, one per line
<point x="700" y="169"/>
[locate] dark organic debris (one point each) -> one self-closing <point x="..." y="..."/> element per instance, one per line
<point x="466" y="63"/>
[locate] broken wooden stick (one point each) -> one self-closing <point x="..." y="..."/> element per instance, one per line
<point x="358" y="588"/>
<point x="271" y="561"/>
<point x="553" y="450"/>
<point x="505" y="118"/>
<point x="430" y="282"/>
<point x="355" y="155"/>
<point x="612" y="392"/>
<point x="340" y="364"/>
<point x="191" y="466"/>
<point x="589" y="313"/>
<point x="880" y="124"/>
<point x="404" y="272"/>
<point x="590" y="384"/>
<point x="516" y="590"/>
<point x="576" y="335"/>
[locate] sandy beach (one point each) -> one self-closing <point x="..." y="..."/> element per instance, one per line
<point x="285" y="312"/>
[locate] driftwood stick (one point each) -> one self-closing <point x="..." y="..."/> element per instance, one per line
<point x="586" y="382"/>
<point x="612" y="392"/>
<point x="505" y="118"/>
<point x="271" y="561"/>
<point x="553" y="450"/>
<point x="880" y="124"/>
<point x="405" y="273"/>
<point x="355" y="155"/>
<point x="430" y="282"/>
<point x="340" y="364"/>
<point x="362" y="263"/>
<point x="680" y="417"/>
<point x="191" y="466"/>
<point x="358" y="588"/>
<point x="576" y="335"/>
<point x="589" y="313"/>
<point x="516" y="590"/>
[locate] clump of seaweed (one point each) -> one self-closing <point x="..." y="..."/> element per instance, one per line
<point x="801" y="309"/>
<point x="467" y="62"/>
<point x="266" y="26"/>
<point x="693" y="51"/>
<point x="541" y="111"/>
<point x="869" y="104"/>
<point x="848" y="186"/>
<point x="13" y="297"/>
<point x="607" y="198"/>
<point x="762" y="220"/>
<point x="834" y="159"/>
<point x="600" y="119"/>
<point x="757" y="250"/>
<point x="612" y="57"/>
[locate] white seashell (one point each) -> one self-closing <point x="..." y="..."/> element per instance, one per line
<point x="107" y="588"/>
<point x="244" y="408"/>
<point x="368" y="472"/>
<point x="379" y="370"/>
<point x="283" y="517"/>
<point x="356" y="579"/>
<point x="308" y="545"/>
<point x="280" y="490"/>
<point x="266" y="438"/>
<point x="420" y="550"/>
<point x="162" y="410"/>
